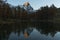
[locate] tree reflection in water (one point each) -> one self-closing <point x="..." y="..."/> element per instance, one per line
<point x="43" y="27"/>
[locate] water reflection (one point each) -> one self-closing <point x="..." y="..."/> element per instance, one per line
<point x="29" y="31"/>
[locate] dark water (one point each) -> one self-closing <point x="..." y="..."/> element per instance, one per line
<point x="34" y="30"/>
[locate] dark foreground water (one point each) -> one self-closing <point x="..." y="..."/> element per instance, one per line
<point x="32" y="31"/>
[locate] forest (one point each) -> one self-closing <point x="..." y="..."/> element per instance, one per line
<point x="44" y="13"/>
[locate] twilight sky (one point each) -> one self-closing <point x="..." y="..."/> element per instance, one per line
<point x="36" y="4"/>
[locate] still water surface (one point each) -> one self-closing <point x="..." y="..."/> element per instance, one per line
<point x="34" y="35"/>
<point x="30" y="31"/>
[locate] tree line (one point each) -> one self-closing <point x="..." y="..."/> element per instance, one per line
<point x="44" y="13"/>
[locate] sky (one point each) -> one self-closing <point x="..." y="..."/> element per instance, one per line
<point x="36" y="4"/>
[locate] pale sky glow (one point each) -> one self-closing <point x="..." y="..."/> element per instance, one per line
<point x="36" y="4"/>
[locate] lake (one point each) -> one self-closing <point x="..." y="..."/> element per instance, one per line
<point x="30" y="31"/>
